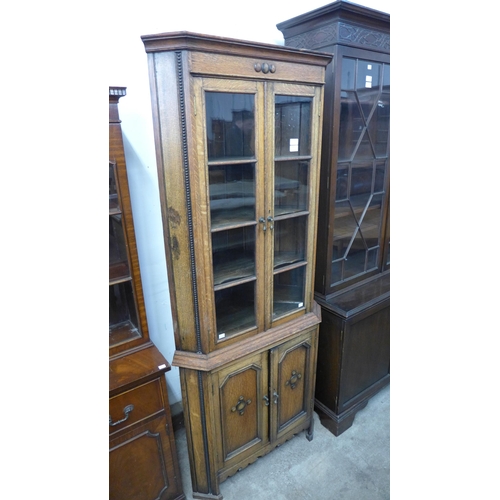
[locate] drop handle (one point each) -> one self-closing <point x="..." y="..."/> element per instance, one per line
<point x="266" y="400"/>
<point x="276" y="396"/>
<point x="127" y="410"/>
<point x="263" y="221"/>
<point x="271" y="223"/>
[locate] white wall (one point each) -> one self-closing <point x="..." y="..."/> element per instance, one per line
<point x="127" y="66"/>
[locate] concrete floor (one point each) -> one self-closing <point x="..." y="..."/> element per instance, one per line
<point x="352" y="466"/>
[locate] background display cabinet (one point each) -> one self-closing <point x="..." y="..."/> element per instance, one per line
<point x="142" y="455"/>
<point x="238" y="129"/>
<point x="352" y="265"/>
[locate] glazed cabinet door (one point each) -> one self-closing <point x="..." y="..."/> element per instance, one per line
<point x="292" y="163"/>
<point x="361" y="178"/>
<point x="242" y="409"/>
<point x="292" y="382"/>
<point x="229" y="202"/>
<point x="254" y="192"/>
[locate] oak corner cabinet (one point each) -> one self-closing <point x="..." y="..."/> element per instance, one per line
<point x="352" y="282"/>
<point x="237" y="132"/>
<point x="143" y="462"/>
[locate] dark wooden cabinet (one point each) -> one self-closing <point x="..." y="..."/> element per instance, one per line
<point x="352" y="265"/>
<point x="237" y="128"/>
<point x="142" y="454"/>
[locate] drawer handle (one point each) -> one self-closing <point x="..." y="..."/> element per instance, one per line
<point x="127" y="410"/>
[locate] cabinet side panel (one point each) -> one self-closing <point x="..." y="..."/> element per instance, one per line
<point x="366" y="355"/>
<point x="168" y="138"/>
<point x="329" y="359"/>
<point x="194" y="431"/>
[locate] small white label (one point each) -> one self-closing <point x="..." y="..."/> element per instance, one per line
<point x="294" y="145"/>
<point x="161" y="367"/>
<point x="222" y="335"/>
<point x="369" y="66"/>
<point x="301" y="304"/>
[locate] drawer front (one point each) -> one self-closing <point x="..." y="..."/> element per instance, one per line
<point x="202" y="63"/>
<point x="135" y="405"/>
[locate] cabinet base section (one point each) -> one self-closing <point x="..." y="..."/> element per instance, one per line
<point x="337" y="423"/>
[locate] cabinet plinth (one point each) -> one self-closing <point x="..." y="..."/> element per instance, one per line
<point x="237" y="132"/>
<point x="352" y="261"/>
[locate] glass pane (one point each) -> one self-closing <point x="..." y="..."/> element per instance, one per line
<point x="233" y="254"/>
<point x="232" y="193"/>
<point x="368" y="77"/>
<point x="113" y="191"/>
<point x="235" y="309"/>
<point x="370" y="227"/>
<point x="387" y="78"/>
<point x="290" y="186"/>
<point x="337" y="271"/>
<point x="118" y="260"/>
<point x="348" y="73"/>
<point x="379" y="178"/>
<point x="289" y="241"/>
<point x="361" y="188"/>
<point x="230" y="125"/>
<point x="355" y="260"/>
<point x="342" y="183"/>
<point x="343" y="229"/>
<point x="292" y="124"/>
<point x="351" y="125"/>
<point x="122" y="314"/>
<point x="372" y="259"/>
<point x="379" y="125"/>
<point x="288" y="291"/>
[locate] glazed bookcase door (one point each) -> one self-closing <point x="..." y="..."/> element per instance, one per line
<point x="260" y="167"/>
<point x="232" y="197"/>
<point x="292" y="163"/>
<point x="362" y="174"/>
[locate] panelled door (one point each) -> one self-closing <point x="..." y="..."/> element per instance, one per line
<point x="291" y="384"/>
<point x="262" y="397"/>
<point x="242" y="413"/>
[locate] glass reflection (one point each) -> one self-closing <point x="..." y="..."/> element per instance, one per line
<point x="118" y="259"/>
<point x="235" y="309"/>
<point x="113" y="189"/>
<point x="289" y="241"/>
<point x="233" y="254"/>
<point x="288" y="291"/>
<point x="290" y="186"/>
<point x="232" y="193"/>
<point x="122" y="313"/>
<point x="230" y="125"/>
<point x="292" y="123"/>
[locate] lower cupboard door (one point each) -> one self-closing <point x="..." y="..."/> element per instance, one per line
<point x="292" y="382"/>
<point x="243" y="410"/>
<point x="141" y="465"/>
